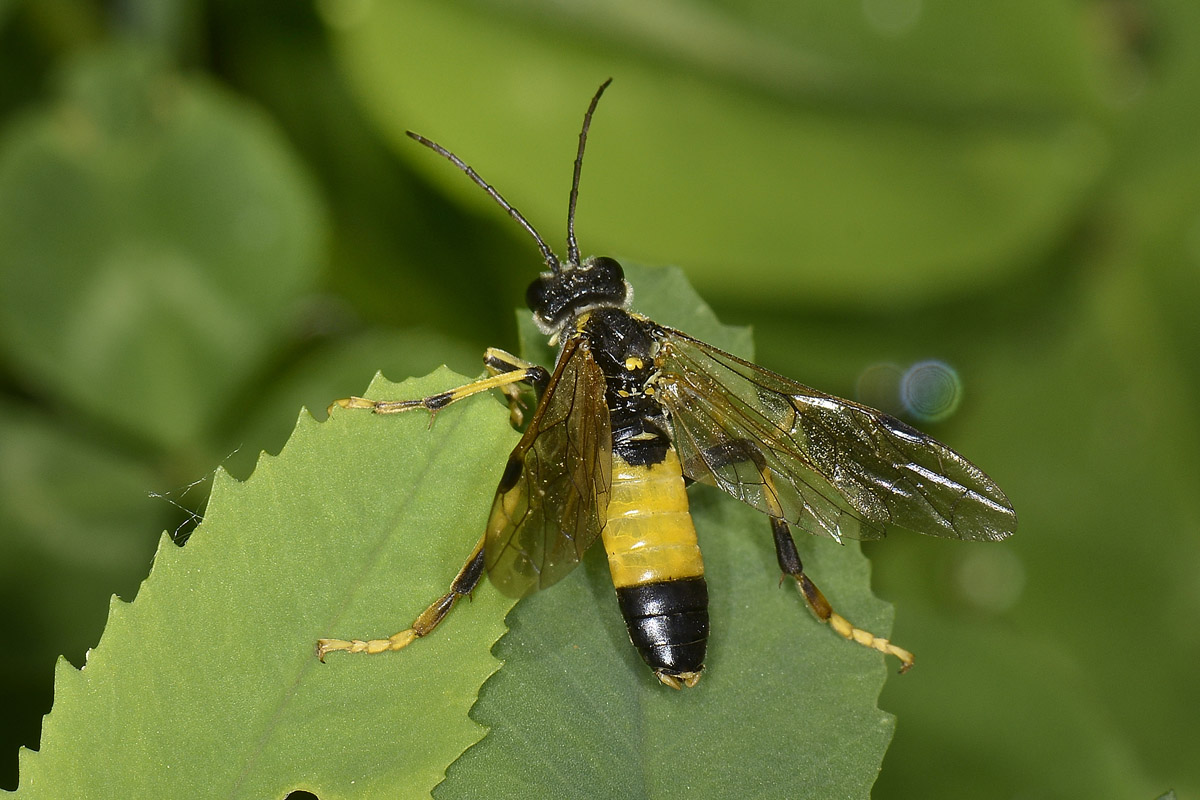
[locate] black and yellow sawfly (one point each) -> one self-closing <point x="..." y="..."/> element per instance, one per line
<point x="634" y="409"/>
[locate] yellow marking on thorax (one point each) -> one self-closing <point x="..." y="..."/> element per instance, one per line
<point x="649" y="535"/>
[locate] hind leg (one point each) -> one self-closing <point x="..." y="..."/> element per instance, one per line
<point x="462" y="585"/>
<point x="743" y="450"/>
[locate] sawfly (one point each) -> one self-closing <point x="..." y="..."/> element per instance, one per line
<point x="631" y="412"/>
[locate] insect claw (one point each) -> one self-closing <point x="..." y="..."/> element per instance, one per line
<point x="669" y="680"/>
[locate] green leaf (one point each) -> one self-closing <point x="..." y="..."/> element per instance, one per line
<point x="158" y="234"/>
<point x="906" y="167"/>
<point x="207" y="685"/>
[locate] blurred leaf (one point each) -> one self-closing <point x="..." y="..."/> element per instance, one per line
<point x="207" y="684"/>
<point x="731" y="137"/>
<point x="75" y="520"/>
<point x="158" y="236"/>
<point x="400" y="252"/>
<point x="1085" y="414"/>
<point x="978" y="709"/>
<point x="335" y="368"/>
<point x="1157" y="197"/>
<point x="76" y="525"/>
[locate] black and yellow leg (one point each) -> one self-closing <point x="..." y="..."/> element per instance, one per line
<point x="464" y="583"/>
<point x="506" y="371"/>
<point x="789" y="562"/>
<point x="743" y="450"/>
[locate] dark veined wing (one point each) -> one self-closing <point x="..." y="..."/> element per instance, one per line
<point x="551" y="503"/>
<point x="839" y="469"/>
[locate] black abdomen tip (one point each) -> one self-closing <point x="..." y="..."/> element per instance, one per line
<point x="668" y="623"/>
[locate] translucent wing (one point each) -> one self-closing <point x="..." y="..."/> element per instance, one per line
<point x="551" y="502"/>
<point x="839" y="469"/>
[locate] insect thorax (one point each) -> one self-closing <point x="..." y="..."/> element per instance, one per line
<point x="623" y="345"/>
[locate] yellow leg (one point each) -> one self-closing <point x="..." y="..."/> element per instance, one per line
<point x="506" y="371"/>
<point x="789" y="559"/>
<point x="824" y="611"/>
<point x="789" y="562"/>
<point x="464" y="583"/>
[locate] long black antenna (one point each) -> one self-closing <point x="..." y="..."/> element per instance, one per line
<point x="572" y="245"/>
<point x="547" y="253"/>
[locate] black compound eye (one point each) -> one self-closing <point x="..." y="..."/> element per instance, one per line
<point x="535" y="295"/>
<point x="607" y="270"/>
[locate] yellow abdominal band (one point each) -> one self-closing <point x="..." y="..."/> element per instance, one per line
<point x="649" y="535"/>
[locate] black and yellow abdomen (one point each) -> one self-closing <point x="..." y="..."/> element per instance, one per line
<point x="657" y="568"/>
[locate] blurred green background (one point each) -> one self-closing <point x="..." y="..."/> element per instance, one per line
<point x="210" y="217"/>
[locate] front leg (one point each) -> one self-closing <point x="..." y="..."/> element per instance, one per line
<point x="506" y="371"/>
